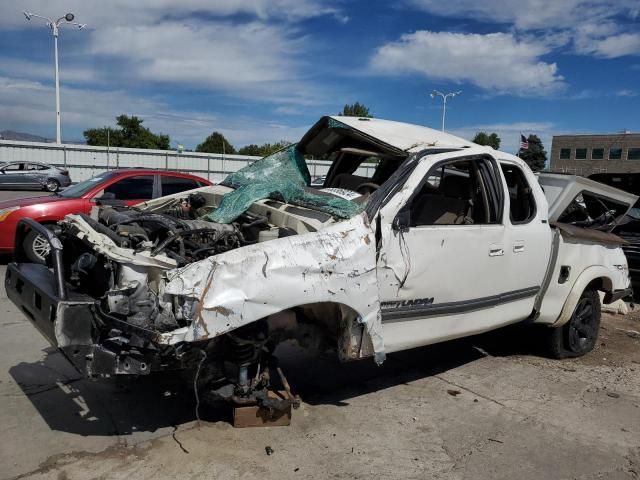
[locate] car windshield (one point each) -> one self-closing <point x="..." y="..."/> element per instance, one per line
<point x="81" y="188"/>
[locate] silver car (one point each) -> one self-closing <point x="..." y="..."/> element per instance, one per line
<point x="33" y="175"/>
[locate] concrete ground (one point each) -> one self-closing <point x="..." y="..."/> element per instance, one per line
<point x="465" y="409"/>
<point x="487" y="407"/>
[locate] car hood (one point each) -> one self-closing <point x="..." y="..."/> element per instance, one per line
<point x="39" y="200"/>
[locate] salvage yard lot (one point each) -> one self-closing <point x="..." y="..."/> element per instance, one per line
<point x="484" y="407"/>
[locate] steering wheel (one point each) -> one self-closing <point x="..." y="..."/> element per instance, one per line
<point x="367" y="188"/>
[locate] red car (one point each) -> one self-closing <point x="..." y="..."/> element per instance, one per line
<point x="122" y="186"/>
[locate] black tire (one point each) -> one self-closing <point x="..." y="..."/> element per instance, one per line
<point x="52" y="185"/>
<point x="36" y="247"/>
<point x="579" y="335"/>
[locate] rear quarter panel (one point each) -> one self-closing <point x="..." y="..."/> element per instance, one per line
<point x="588" y="261"/>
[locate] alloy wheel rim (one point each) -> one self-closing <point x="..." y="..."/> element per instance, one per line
<point x="582" y="326"/>
<point x="41" y="247"/>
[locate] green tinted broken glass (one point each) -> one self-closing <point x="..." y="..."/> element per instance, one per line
<point x="281" y="176"/>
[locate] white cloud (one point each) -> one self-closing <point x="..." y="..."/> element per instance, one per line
<point x="26" y="102"/>
<point x="597" y="27"/>
<point x="99" y="13"/>
<point x="497" y="61"/>
<point x="247" y="48"/>
<point x="252" y="59"/>
<point x="626" y="92"/>
<point x="530" y="14"/>
<point x="610" y="47"/>
<point x="44" y="71"/>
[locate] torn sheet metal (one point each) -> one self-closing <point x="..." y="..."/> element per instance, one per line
<point x="561" y="190"/>
<point x="241" y="286"/>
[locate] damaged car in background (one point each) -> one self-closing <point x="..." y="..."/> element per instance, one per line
<point x="442" y="239"/>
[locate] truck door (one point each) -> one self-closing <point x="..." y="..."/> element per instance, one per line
<point x="445" y="260"/>
<point x="528" y="237"/>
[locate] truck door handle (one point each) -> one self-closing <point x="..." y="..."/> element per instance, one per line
<point x="496" y="250"/>
<point x="518" y="247"/>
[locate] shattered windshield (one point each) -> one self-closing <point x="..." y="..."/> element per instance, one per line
<point x="281" y="176"/>
<point x="352" y="165"/>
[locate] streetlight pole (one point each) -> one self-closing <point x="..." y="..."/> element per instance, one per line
<point x="54" y="26"/>
<point x="436" y="93"/>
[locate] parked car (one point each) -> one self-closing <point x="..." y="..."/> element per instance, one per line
<point x="125" y="187"/>
<point x="445" y="239"/>
<point x="33" y="176"/>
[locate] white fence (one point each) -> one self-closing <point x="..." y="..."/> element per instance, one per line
<point x="85" y="161"/>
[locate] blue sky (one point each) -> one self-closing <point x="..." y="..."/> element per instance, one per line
<point x="265" y="70"/>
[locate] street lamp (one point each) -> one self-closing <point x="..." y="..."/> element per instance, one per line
<point x="54" y="26"/>
<point x="436" y="93"/>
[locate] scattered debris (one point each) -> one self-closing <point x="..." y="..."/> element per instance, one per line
<point x="453" y="393"/>
<point x="482" y="351"/>
<point x="631" y="333"/>
<point x="268" y="450"/>
<point x="613" y="394"/>
<point x="495" y="440"/>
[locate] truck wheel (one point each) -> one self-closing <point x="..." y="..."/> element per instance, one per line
<point x="579" y="335"/>
<point x="36" y="247"/>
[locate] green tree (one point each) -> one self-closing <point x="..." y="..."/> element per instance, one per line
<point x="492" y="140"/>
<point x="263" y="150"/>
<point x="130" y="134"/>
<point x="216" y="143"/>
<point x="535" y="155"/>
<point x="356" y="110"/>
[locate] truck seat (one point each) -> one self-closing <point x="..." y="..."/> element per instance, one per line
<point x="450" y="204"/>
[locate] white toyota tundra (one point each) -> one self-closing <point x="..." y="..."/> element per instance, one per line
<point x="415" y="237"/>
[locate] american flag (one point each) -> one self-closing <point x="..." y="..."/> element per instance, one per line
<point x="524" y="143"/>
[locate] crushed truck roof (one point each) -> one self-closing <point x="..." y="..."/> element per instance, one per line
<point x="404" y="136"/>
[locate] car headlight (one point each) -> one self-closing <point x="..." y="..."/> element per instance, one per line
<point x="5" y="212"/>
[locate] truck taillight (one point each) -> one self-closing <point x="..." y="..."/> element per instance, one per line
<point x="65" y="173"/>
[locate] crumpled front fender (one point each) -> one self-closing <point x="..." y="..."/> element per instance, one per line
<point x="236" y="288"/>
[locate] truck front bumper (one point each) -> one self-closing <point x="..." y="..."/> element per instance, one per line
<point x="73" y="322"/>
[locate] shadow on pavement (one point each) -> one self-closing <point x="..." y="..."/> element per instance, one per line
<point x="106" y="406"/>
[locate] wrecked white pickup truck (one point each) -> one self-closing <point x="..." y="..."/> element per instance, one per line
<point x="443" y="239"/>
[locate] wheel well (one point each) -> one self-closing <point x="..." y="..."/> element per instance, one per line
<point x="603" y="284"/>
<point x="329" y="323"/>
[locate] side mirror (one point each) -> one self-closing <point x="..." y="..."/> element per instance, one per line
<point x="402" y="221"/>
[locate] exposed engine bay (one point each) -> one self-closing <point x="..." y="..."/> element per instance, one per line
<point x="166" y="285"/>
<point x="117" y="316"/>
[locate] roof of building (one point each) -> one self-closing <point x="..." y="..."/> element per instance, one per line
<point x="617" y="134"/>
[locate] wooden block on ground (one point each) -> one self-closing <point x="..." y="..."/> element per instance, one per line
<point x="254" y="416"/>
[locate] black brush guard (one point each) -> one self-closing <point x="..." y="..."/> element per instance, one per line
<point x="69" y="320"/>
